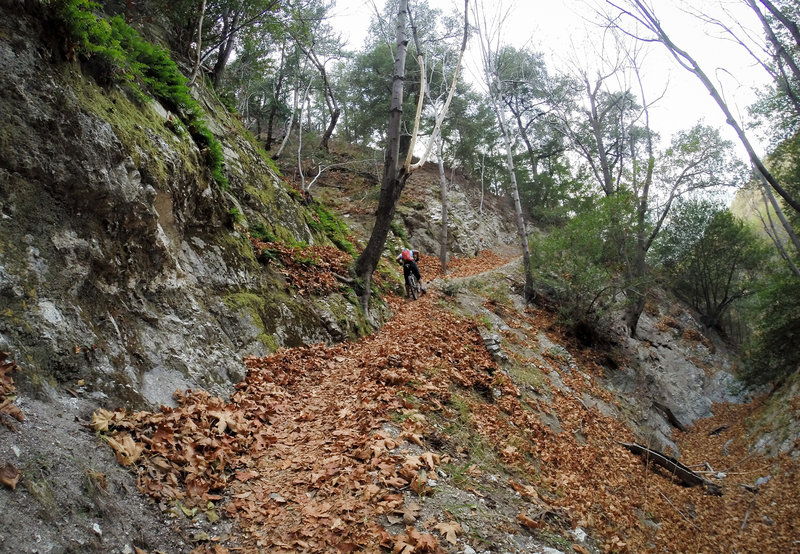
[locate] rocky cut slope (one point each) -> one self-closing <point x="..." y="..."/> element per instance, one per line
<point x="123" y="266"/>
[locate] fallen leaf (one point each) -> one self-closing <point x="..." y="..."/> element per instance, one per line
<point x="401" y="547"/>
<point x="9" y="476"/>
<point x="128" y="451"/>
<point x="100" y="420"/>
<point x="450" y="530"/>
<point x="188" y="512"/>
<point x="528" y="522"/>
<point x="411" y="513"/>
<point x="526" y="491"/>
<point x="246" y="475"/>
<point x="427" y="543"/>
<point x="431" y="459"/>
<point x="371" y="490"/>
<point x="474" y="471"/>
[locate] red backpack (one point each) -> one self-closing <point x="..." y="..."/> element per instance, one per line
<point x="407" y="255"/>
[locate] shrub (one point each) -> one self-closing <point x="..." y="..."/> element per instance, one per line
<point x="578" y="265"/>
<point x="772" y="354"/>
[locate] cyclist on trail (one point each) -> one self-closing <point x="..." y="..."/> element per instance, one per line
<point x="408" y="258"/>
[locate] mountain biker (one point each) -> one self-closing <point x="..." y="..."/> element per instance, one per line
<point x="408" y="258"/>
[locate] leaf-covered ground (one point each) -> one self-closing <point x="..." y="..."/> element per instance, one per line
<point x="354" y="447"/>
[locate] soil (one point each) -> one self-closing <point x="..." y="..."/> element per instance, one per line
<point x="73" y="496"/>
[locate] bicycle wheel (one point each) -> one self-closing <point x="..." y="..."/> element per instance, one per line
<point x="413" y="287"/>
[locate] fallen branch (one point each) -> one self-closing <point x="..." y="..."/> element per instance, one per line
<point x="690" y="522"/>
<point x="682" y="472"/>
<point x="747" y="513"/>
<point x="343" y="279"/>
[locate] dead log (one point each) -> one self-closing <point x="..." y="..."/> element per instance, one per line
<point x="670" y="416"/>
<point x="683" y="473"/>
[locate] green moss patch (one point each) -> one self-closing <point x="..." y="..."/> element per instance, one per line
<point x="116" y="53"/>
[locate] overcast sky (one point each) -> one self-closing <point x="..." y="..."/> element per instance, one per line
<point x="566" y="32"/>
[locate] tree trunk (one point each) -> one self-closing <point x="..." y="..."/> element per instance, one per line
<point x="766" y="191"/>
<point x="690" y="64"/>
<point x="326" y="137"/>
<point x="636" y="296"/>
<point x="198" y="60"/>
<point x="781" y="55"/>
<point x="225" y="50"/>
<point x="443" y="232"/>
<point x="393" y="179"/>
<point x="512" y="174"/>
<point x="483" y="166"/>
<point x="273" y="111"/>
<point x="607" y="181"/>
<point x="537" y="196"/>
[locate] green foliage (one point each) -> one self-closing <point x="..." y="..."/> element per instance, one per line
<point x="259" y="231"/>
<point x="236" y="215"/>
<point x="773" y="353"/>
<point x="122" y="55"/>
<point x="578" y="265"/>
<point x="400" y="232"/>
<point x="712" y="258"/>
<point x="334" y="228"/>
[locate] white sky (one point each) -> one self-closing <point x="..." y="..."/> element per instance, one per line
<point x="564" y="31"/>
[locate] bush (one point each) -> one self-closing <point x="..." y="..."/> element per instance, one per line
<point x="119" y="54"/>
<point x="772" y="353"/>
<point x="579" y="264"/>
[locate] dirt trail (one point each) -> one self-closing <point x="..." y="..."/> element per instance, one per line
<point x="413" y="440"/>
<point x="308" y="442"/>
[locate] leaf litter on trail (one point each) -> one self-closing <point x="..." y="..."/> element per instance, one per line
<point x="300" y="459"/>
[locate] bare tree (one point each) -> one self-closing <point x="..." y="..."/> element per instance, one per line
<point x="312" y="36"/>
<point x="199" y="44"/>
<point x="447" y="91"/>
<point x="644" y="18"/>
<point x="395" y="174"/>
<point x="443" y="197"/>
<point x="489" y="33"/>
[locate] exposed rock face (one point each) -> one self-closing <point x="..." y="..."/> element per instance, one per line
<point x="776" y="428"/>
<point x="674" y="365"/>
<point x="471" y="227"/>
<point x="120" y="263"/>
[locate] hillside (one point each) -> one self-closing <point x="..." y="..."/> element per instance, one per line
<point x="189" y="370"/>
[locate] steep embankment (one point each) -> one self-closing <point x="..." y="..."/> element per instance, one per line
<point x="123" y="265"/>
<point x="126" y="273"/>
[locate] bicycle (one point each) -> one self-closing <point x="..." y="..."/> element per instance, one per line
<point x="413" y="288"/>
